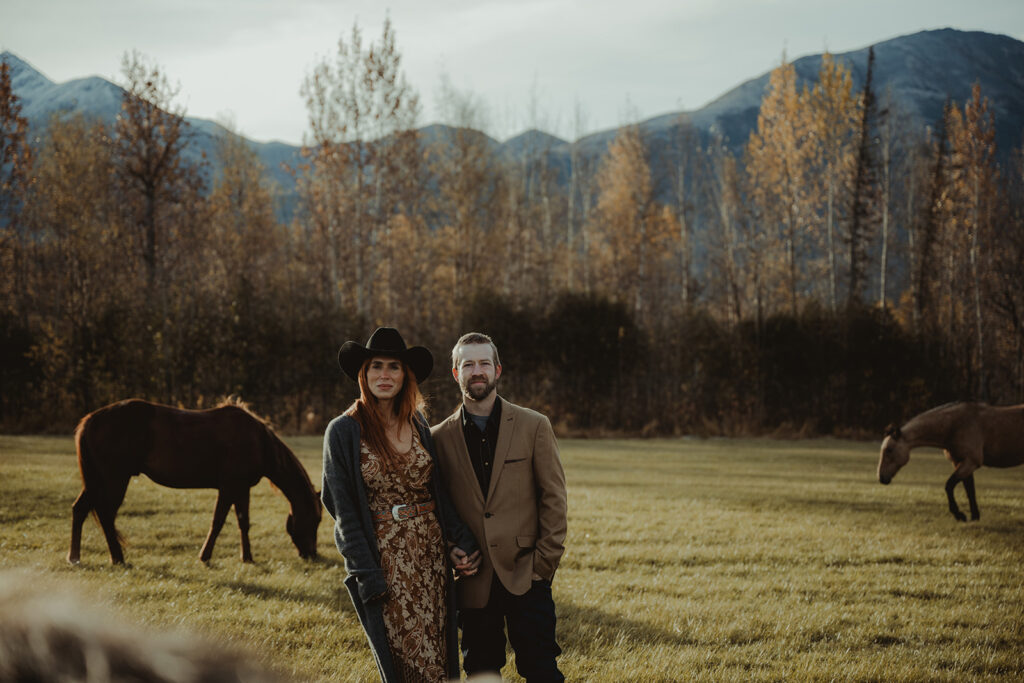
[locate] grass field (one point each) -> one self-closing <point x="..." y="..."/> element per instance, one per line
<point x="716" y="560"/>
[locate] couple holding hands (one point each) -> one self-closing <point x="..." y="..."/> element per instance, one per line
<point x="480" y="495"/>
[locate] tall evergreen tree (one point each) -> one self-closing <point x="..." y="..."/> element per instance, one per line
<point x="15" y="179"/>
<point x="15" y="152"/>
<point x="866" y="196"/>
<point x="923" y="280"/>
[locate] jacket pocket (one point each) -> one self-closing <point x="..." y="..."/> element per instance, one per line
<point x="526" y="541"/>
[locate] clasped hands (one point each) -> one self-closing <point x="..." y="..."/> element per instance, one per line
<point x="465" y="565"/>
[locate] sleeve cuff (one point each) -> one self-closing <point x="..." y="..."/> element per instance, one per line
<point x="372" y="586"/>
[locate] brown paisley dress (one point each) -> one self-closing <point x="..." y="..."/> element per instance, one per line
<point x="412" y="555"/>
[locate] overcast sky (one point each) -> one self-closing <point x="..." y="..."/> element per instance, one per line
<point x="620" y="60"/>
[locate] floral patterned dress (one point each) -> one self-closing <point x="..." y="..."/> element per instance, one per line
<point x="412" y="555"/>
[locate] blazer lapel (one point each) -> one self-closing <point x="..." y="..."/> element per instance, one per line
<point x="457" y="440"/>
<point x="505" y="430"/>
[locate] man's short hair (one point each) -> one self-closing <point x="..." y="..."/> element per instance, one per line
<point x="473" y="338"/>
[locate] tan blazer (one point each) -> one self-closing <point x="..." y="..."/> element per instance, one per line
<point x="522" y="523"/>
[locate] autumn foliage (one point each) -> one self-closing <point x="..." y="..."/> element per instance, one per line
<point x="844" y="269"/>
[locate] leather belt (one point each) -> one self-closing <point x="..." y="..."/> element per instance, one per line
<point x="400" y="512"/>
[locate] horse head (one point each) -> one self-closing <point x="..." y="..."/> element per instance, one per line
<point x="895" y="453"/>
<point x="302" y="528"/>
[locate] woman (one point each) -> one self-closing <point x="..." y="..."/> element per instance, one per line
<point x="394" y="524"/>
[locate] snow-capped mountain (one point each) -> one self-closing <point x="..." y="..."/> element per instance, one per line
<point x="921" y="70"/>
<point x="100" y="99"/>
<point x="41" y="98"/>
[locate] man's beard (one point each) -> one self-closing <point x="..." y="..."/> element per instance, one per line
<point x="478" y="392"/>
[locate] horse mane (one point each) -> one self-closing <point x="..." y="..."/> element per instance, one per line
<point x="944" y="406"/>
<point x="932" y="411"/>
<point x="235" y="401"/>
<point x="284" y="456"/>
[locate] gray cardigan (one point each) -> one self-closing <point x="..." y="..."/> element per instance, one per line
<point x="344" y="498"/>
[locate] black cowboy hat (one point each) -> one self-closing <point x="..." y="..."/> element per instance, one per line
<point x="387" y="342"/>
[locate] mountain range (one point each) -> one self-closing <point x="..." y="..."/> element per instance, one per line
<point x="922" y="71"/>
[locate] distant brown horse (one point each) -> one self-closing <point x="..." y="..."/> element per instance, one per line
<point x="972" y="434"/>
<point x="226" y="448"/>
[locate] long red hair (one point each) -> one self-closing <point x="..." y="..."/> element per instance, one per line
<point x="368" y="412"/>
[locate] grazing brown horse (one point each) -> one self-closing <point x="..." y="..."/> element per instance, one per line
<point x="972" y="434"/>
<point x="226" y="448"/>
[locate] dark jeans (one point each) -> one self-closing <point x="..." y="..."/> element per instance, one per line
<point x="531" y="631"/>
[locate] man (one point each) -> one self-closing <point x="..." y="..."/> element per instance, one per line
<point x="503" y="473"/>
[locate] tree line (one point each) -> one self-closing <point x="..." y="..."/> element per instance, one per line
<point x="846" y="268"/>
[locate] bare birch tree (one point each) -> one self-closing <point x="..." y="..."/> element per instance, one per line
<point x="362" y="117"/>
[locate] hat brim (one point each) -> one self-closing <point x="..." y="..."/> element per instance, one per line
<point x="352" y="355"/>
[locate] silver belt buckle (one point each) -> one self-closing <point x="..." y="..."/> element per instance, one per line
<point x="394" y="512"/>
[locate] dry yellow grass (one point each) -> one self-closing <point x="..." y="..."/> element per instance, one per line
<point x="687" y="560"/>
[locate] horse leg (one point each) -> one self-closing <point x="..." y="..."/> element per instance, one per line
<point x="107" y="513"/>
<point x="220" y="513"/>
<point x="79" y="511"/>
<point x="971" y="498"/>
<point x="242" y="514"/>
<point x="950" y="485"/>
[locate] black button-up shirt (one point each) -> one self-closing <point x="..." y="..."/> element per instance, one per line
<point x="481" y="444"/>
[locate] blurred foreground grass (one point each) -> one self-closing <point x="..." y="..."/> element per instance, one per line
<point x="686" y="560"/>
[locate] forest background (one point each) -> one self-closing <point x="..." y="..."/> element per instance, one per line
<point x="852" y="268"/>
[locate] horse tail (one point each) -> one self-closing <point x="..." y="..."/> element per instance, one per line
<point x="85" y="463"/>
<point x="92" y="477"/>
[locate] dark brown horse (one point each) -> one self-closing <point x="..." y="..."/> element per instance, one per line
<point x="972" y="434"/>
<point x="226" y="448"/>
